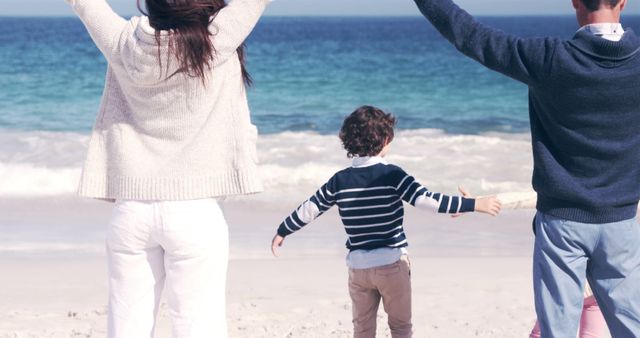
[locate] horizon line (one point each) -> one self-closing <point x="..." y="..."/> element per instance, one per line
<point x="329" y="15"/>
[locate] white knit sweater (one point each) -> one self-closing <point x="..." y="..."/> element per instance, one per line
<point x="169" y="138"/>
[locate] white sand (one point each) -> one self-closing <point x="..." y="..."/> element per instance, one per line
<point x="471" y="276"/>
<point x="453" y="297"/>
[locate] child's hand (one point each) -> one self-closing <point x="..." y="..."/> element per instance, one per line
<point x="275" y="243"/>
<point x="489" y="205"/>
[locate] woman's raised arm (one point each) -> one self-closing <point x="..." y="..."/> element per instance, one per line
<point x="233" y="24"/>
<point x="102" y="23"/>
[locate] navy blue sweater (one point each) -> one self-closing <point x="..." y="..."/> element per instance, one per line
<point x="584" y="107"/>
<point x="370" y="204"/>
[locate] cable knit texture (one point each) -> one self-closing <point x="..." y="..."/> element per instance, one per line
<point x="163" y="137"/>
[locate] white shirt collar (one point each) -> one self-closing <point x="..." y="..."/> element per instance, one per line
<point x="367" y="161"/>
<point x="610" y="31"/>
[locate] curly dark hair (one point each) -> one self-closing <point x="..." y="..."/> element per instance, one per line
<point x="366" y="131"/>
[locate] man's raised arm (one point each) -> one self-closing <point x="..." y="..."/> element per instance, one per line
<point x="523" y="59"/>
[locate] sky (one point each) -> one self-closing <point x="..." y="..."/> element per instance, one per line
<point x="329" y="7"/>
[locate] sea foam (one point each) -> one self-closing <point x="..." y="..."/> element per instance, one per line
<point x="293" y="164"/>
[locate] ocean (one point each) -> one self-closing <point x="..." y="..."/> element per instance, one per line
<point x="457" y="121"/>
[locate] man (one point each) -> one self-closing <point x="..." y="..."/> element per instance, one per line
<point x="584" y="107"/>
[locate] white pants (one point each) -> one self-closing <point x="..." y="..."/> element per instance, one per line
<point x="183" y="244"/>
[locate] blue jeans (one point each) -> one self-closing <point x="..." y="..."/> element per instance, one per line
<point x="608" y="255"/>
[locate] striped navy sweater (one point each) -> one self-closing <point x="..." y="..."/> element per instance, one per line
<point x="369" y="198"/>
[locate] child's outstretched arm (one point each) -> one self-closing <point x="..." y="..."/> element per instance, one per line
<point x="311" y="209"/>
<point x="486" y="204"/>
<point x="414" y="193"/>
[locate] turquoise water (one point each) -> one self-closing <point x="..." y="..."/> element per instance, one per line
<point x="309" y="73"/>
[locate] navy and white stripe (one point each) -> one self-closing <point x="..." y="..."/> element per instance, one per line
<point x="369" y="200"/>
<point x="315" y="206"/>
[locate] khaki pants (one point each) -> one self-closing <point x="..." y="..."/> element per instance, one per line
<point x="392" y="283"/>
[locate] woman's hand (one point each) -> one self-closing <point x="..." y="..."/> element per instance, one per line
<point x="275" y="243"/>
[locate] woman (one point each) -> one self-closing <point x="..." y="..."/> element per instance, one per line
<point x="173" y="132"/>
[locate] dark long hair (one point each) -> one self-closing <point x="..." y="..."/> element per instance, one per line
<point x="188" y="22"/>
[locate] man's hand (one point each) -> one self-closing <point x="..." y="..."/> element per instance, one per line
<point x="275" y="243"/>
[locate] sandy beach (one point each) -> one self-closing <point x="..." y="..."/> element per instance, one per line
<point x="459" y="124"/>
<point x="471" y="276"/>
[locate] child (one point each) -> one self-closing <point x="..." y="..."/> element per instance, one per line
<point x="369" y="196"/>
<point x="592" y="323"/>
